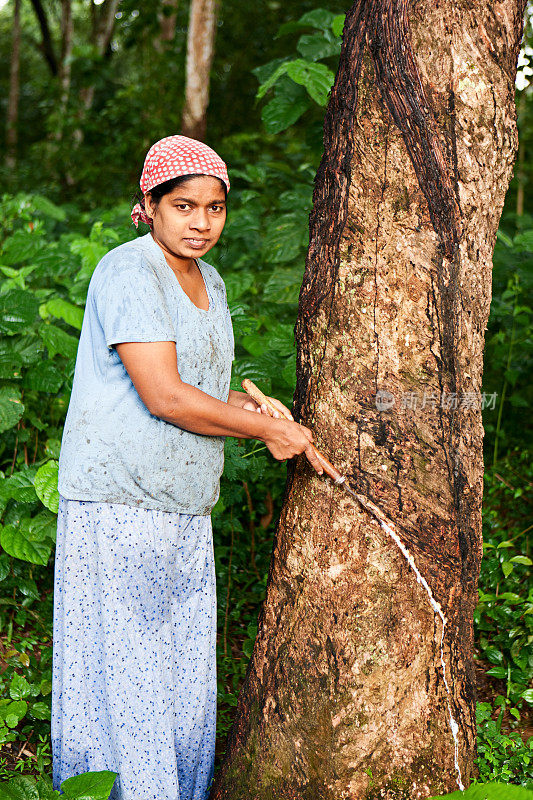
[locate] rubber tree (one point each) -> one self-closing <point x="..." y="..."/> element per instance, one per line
<point x="356" y="688"/>
<point x="200" y="51"/>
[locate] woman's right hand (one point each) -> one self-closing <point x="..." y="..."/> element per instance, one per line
<point x="286" y="439"/>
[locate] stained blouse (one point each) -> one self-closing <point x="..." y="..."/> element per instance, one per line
<point x="113" y="449"/>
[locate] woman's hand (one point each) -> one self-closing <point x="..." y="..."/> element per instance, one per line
<point x="286" y="438"/>
<point x="251" y="405"/>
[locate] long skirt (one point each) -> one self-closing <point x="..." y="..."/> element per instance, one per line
<point x="134" y="649"/>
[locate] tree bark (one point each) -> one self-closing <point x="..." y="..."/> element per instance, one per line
<point x="14" y="92"/>
<point x="355" y="688"/>
<point x="65" y="71"/>
<point x="167" y="18"/>
<point x="200" y="50"/>
<point x="46" y="46"/>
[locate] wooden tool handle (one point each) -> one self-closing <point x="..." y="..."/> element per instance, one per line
<point x="257" y="395"/>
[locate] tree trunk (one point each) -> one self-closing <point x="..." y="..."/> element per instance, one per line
<point x="200" y="49"/>
<point x="67" y="30"/>
<point x="103" y="27"/>
<point x="167" y="18"/>
<point x="356" y="689"/>
<point x="47" y="45"/>
<point x="14" y="91"/>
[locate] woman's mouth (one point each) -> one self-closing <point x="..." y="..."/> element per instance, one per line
<point x="197" y="243"/>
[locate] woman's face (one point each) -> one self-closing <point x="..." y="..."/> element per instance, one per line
<point x="189" y="220"/>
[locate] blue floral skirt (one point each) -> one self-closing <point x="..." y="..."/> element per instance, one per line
<point x="134" y="649"/>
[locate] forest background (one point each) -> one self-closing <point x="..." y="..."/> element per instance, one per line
<point x="86" y="88"/>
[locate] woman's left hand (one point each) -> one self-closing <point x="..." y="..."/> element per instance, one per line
<point x="251" y="405"/>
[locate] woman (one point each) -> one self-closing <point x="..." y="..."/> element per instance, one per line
<point x="134" y="662"/>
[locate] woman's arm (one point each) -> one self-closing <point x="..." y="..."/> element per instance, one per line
<point x="153" y="369"/>
<point x="238" y="398"/>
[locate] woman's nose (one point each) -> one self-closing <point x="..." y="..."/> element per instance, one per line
<point x="200" y="220"/>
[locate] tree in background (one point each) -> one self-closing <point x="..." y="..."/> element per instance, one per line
<point x="361" y="681"/>
<point x="14" y="91"/>
<point x="200" y="47"/>
<point x="100" y="82"/>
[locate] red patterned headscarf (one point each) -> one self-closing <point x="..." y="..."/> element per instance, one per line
<point x="172" y="157"/>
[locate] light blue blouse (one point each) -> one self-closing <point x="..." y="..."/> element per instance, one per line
<point x="113" y="449"/>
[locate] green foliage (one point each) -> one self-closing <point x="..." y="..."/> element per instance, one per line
<point x="509" y="341"/>
<point x="489" y="791"/>
<point x="261" y="258"/>
<point x="298" y="81"/>
<point x="502" y="756"/>
<point x="87" y="786"/>
<point x="504" y="616"/>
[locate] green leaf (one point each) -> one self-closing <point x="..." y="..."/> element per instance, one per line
<point x="21" y="246"/>
<point x="286" y="238"/>
<point x="46" y="485"/>
<point x="504" y="238"/>
<point x="18" y="309"/>
<point x="283" y="286"/>
<point x="315" y="46"/>
<point x="318" y="18"/>
<point x="11" y="407"/>
<point x="282" y="112"/>
<point x="237" y="283"/>
<point x="264" y="72"/>
<point x="44" y="787"/>
<point x="489" y="791"/>
<point x="44" y="377"/>
<point x="10" y="362"/>
<point x="25" y="542"/>
<point x="288" y="373"/>
<point x="19" y="688"/>
<point x="16" y="709"/>
<point x="337" y="24"/>
<point x="30" y="348"/>
<point x="5" y="566"/>
<point x="28" y="588"/>
<point x="19" y="486"/>
<point x="522" y="560"/>
<point x="528" y="696"/>
<point x="73" y="315"/>
<point x="20" y="787"/>
<point x="89" y="785"/>
<point x="497" y="672"/>
<point x="280" y="70"/>
<point x="247" y="647"/>
<point x="58" y="341"/>
<point x="524" y="241"/>
<point x="259" y="369"/>
<point x="493" y="655"/>
<point x="289" y="27"/>
<point x="511" y="597"/>
<point x="91" y="252"/>
<point x="40" y="711"/>
<point x="46" y="208"/>
<point x="43" y="526"/>
<point x="317" y="78"/>
<point x="507" y="568"/>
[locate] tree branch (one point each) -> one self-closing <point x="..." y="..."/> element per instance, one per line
<point x="46" y="46"/>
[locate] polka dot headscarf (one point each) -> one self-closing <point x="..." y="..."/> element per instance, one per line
<point x="172" y="157"/>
